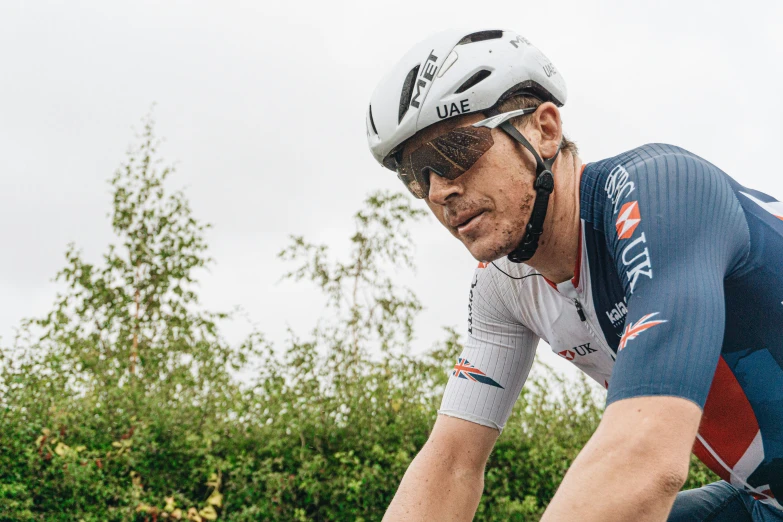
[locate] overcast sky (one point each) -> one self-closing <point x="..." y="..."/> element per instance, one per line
<point x="262" y="105"/>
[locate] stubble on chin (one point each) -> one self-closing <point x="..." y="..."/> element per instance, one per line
<point x="505" y="236"/>
<point x="511" y="233"/>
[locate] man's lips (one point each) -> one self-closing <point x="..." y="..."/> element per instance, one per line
<point x="462" y="222"/>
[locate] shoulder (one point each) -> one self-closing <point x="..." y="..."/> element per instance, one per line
<point x="647" y="163"/>
<point x="652" y="171"/>
<point x="658" y="204"/>
<point x="640" y="159"/>
<point x="497" y="287"/>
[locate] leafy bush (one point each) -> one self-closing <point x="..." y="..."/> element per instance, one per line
<point x="122" y="402"/>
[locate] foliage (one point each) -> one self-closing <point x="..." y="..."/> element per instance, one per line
<point x="122" y="402"/>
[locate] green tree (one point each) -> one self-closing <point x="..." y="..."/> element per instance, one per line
<point x="126" y="349"/>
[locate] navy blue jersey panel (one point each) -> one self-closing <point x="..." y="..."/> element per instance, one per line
<point x="755" y="289"/>
<point x="754" y="328"/>
<point x="608" y="297"/>
<point x="698" y="260"/>
<point x="761" y="378"/>
<point x="673" y="228"/>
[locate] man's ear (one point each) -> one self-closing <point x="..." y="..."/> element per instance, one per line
<point x="547" y="118"/>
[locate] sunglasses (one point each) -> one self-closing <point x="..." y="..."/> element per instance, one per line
<point x="451" y="154"/>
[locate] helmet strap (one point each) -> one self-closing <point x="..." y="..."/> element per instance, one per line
<point x="544" y="185"/>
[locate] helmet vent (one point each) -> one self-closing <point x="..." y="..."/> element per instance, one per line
<point x="372" y="122"/>
<point x="407" y="92"/>
<point x="480" y="37"/>
<point x="473" y="80"/>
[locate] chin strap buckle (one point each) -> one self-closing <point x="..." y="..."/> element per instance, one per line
<point x="545" y="182"/>
<point x="544" y="185"/>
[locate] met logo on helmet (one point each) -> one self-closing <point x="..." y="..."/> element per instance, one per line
<point x="427" y="74"/>
<point x="519" y="40"/>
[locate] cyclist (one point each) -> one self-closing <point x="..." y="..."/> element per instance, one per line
<point x="653" y="271"/>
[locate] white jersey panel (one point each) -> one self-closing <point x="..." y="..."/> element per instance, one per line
<point x="496" y="359"/>
<point x="508" y="313"/>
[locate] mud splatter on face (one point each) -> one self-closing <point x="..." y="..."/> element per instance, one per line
<point x="512" y="233"/>
<point x="498" y="189"/>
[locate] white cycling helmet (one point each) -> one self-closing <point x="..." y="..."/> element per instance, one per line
<point x="453" y="73"/>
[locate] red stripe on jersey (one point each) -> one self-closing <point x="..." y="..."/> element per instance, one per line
<point x="728" y="423"/>
<point x="578" y="267"/>
<point x="706" y="457"/>
<point x="767" y="493"/>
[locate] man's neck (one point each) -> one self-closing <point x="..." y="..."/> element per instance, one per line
<point x="559" y="244"/>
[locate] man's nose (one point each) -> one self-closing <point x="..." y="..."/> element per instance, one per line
<point x="442" y="189"/>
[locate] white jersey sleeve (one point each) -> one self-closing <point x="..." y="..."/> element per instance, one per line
<point x="489" y="374"/>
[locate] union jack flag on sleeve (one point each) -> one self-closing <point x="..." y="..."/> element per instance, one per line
<point x="464" y="370"/>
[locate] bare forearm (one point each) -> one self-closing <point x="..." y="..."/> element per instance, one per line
<point x="633" y="466"/>
<point x="615" y="488"/>
<point x="430" y="490"/>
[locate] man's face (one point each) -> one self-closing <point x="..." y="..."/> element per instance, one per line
<point x="487" y="207"/>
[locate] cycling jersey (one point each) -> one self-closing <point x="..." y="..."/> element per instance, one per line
<point x="678" y="291"/>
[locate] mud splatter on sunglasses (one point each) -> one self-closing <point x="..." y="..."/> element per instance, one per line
<point x="452" y="154"/>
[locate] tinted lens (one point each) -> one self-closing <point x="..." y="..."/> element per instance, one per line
<point x="413" y="185"/>
<point x="448" y="156"/>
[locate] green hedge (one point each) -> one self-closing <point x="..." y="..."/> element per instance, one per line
<point x="122" y="403"/>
